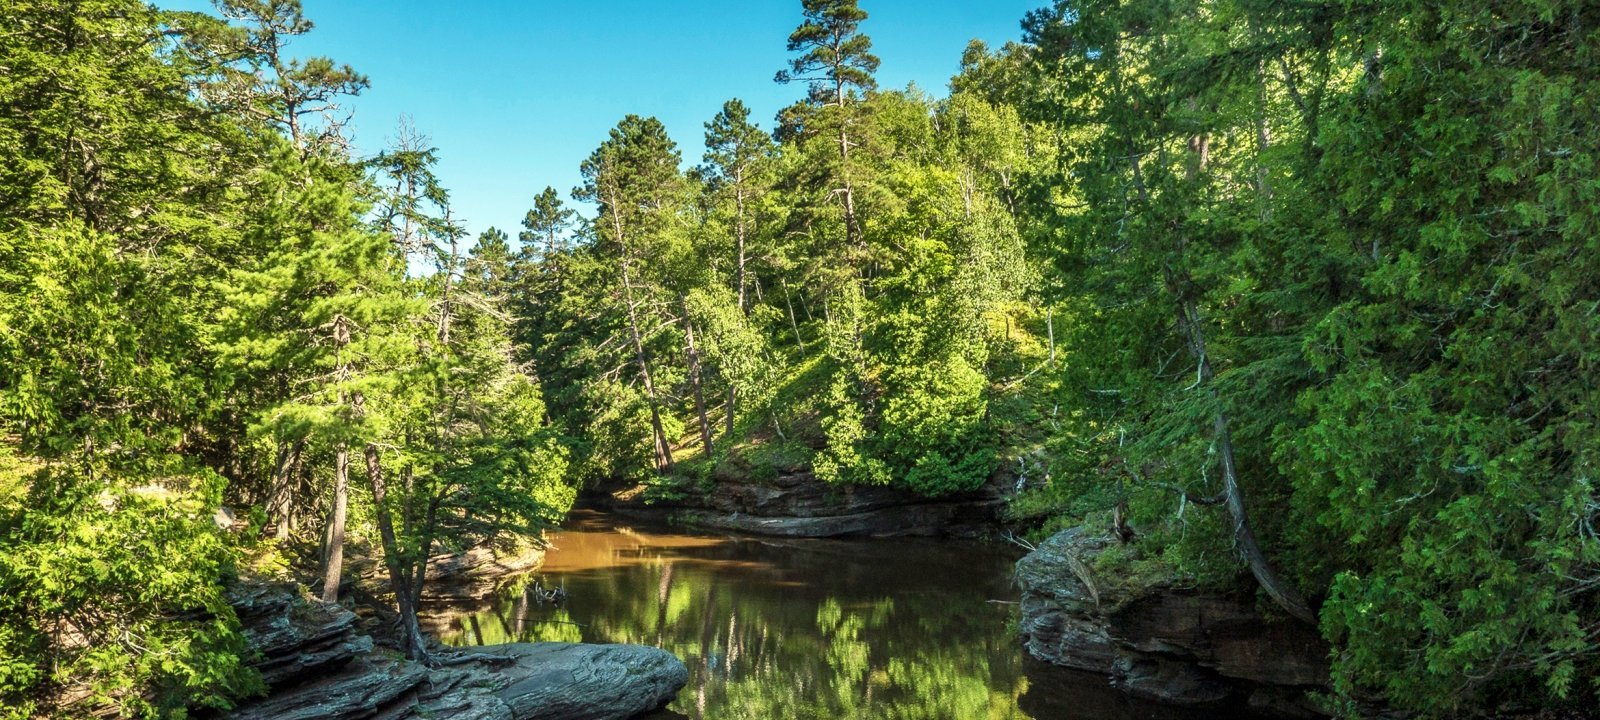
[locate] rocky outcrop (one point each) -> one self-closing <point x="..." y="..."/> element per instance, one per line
<point x="296" y="639"/>
<point x="319" y="665"/>
<point x="471" y="575"/>
<point x="801" y="505"/>
<point x="365" y="687"/>
<point x="454" y="578"/>
<point x="1162" y="641"/>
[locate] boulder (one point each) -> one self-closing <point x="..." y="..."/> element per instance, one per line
<point x="1159" y="639"/>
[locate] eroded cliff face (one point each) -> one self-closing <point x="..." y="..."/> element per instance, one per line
<point x="319" y="664"/>
<point x="1162" y="641"/>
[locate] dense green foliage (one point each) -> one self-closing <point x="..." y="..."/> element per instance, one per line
<point x="840" y="299"/>
<point x="1298" y="294"/>
<point x="200" y="308"/>
<point x="1348" y="250"/>
<point x="1322" y="279"/>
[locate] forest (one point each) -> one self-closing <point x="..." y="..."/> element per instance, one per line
<point x="1298" y="297"/>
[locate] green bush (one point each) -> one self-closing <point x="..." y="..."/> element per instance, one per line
<point x="115" y="593"/>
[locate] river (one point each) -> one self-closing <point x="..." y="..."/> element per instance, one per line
<point x="801" y="629"/>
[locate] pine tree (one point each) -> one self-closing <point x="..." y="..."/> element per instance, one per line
<point x="738" y="165"/>
<point x="320" y="309"/>
<point x="837" y="63"/>
<point x="298" y="96"/>
<point x="633" y="176"/>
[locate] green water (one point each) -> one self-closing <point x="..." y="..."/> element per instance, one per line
<point x="770" y="628"/>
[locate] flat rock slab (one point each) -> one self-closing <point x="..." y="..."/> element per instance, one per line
<point x="321" y="667"/>
<point x="566" y="681"/>
<point x="522" y="681"/>
<point x="362" y="689"/>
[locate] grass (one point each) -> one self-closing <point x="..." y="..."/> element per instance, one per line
<point x="774" y="439"/>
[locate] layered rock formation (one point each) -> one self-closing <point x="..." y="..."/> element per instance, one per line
<point x="471" y="575"/>
<point x="800" y="505"/>
<point x="319" y="665"/>
<point x="1162" y="641"/>
<point x="462" y="577"/>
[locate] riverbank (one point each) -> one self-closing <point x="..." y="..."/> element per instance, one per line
<point x="717" y="597"/>
<point x="1162" y="641"/>
<point x="798" y="504"/>
<point x="906" y="627"/>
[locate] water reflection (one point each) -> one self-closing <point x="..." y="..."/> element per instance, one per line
<point x="801" y="628"/>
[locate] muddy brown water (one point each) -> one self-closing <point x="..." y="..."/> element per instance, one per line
<point x="801" y="629"/>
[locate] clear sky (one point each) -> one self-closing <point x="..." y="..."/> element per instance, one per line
<point x="515" y="94"/>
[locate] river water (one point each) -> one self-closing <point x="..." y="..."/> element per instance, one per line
<point x="801" y="629"/>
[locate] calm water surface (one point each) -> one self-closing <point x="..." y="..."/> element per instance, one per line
<point x="777" y="628"/>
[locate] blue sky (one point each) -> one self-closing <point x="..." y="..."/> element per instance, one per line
<point x="516" y="94"/>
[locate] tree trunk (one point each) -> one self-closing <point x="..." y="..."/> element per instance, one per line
<point x="1244" y="537"/>
<point x="1193" y="324"/>
<point x="399" y="577"/>
<point x="663" y="447"/>
<point x="280" y="464"/>
<point x="341" y="498"/>
<point x="419" y="572"/>
<point x="278" y="494"/>
<point x="852" y="231"/>
<point x="792" y="321"/>
<point x="300" y="480"/>
<point x="693" y="358"/>
<point x="1263" y="142"/>
<point x="280" y="505"/>
<point x="1050" y="330"/>
<point x="739" y="242"/>
<point x="446" y="308"/>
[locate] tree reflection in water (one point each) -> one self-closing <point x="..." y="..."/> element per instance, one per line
<point x="769" y="628"/>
